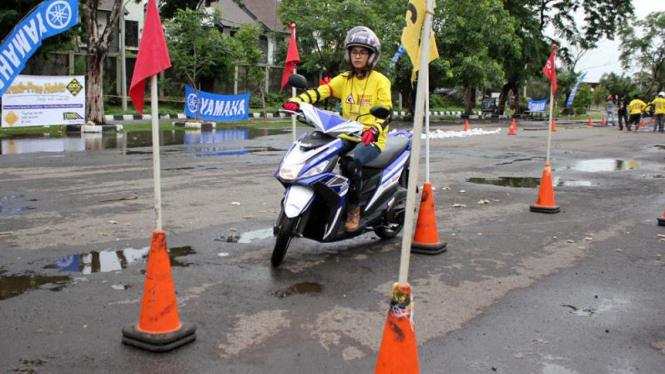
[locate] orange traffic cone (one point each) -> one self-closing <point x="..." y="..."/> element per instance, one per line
<point x="159" y="328"/>
<point x="661" y="221"/>
<point x="426" y="240"/>
<point x="466" y="125"/>
<point x="513" y="127"/>
<point x="545" y="202"/>
<point x="644" y="122"/>
<point x="603" y="123"/>
<point x="590" y="122"/>
<point x="398" y="352"/>
<point x="553" y="126"/>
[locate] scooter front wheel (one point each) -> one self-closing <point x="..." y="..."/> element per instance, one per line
<point x="283" y="240"/>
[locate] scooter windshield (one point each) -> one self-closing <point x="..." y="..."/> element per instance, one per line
<point x="329" y="122"/>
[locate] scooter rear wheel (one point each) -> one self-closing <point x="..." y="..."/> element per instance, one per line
<point x="283" y="240"/>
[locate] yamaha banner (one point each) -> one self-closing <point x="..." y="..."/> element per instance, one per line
<point x="47" y="19"/>
<point x="215" y="107"/>
<point x="574" y="91"/>
<point x="537" y="106"/>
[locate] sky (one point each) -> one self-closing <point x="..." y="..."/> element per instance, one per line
<point x="605" y="58"/>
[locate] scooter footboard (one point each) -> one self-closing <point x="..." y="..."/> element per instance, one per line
<point x="297" y="199"/>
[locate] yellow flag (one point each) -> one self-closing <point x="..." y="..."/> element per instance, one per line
<point x="415" y="17"/>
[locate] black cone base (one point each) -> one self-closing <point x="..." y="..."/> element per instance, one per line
<point x="159" y="342"/>
<point x="544" y="209"/>
<point x="428" y="249"/>
<point x="661" y="221"/>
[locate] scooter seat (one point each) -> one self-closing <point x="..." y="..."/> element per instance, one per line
<point x="395" y="145"/>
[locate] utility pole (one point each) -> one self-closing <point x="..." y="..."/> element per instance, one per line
<point x="123" y="62"/>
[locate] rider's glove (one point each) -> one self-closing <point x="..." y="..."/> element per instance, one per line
<point x="291" y="105"/>
<point x="370" y="135"/>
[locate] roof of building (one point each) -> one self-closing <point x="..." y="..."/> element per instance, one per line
<point x="107" y="5"/>
<point x="263" y="11"/>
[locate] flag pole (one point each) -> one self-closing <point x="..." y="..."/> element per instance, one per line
<point x="549" y="130"/>
<point x="154" y="108"/>
<point x="414" y="163"/>
<point x="293" y="116"/>
<point x="427" y="134"/>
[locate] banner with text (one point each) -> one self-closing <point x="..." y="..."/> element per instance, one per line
<point x="215" y="107"/>
<point x="537" y="106"/>
<point x="574" y="91"/>
<point x="47" y="19"/>
<point x="35" y="100"/>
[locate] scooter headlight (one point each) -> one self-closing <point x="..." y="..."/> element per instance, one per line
<point x="290" y="172"/>
<point x="318" y="169"/>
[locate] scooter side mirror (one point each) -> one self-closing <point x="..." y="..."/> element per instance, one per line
<point x="380" y="112"/>
<point x="298" y="81"/>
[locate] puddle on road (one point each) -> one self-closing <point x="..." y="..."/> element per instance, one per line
<point x="247" y="237"/>
<point x="300" y="288"/>
<point x="107" y="261"/>
<point x="526" y="182"/>
<point x="74" y="142"/>
<point x="9" y="204"/>
<point x="17" y="284"/>
<point x="603" y="165"/>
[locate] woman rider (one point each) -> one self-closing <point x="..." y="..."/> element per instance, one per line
<point x="359" y="89"/>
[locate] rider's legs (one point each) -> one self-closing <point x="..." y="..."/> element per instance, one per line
<point x="362" y="154"/>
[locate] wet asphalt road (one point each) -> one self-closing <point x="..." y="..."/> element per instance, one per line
<point x="518" y="292"/>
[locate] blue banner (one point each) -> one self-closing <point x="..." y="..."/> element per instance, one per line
<point x="574" y="91"/>
<point x="49" y="18"/>
<point x="537" y="106"/>
<point x="398" y="54"/>
<point x="215" y="107"/>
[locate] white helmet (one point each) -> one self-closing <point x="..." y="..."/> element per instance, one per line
<point x="661" y="94"/>
<point x="362" y="36"/>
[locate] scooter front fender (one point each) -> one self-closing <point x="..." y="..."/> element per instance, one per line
<point x="297" y="199"/>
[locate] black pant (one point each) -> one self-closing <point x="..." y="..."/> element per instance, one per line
<point x="634" y="118"/>
<point x="623" y="118"/>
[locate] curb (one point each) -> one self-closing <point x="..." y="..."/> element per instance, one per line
<point x="138" y="117"/>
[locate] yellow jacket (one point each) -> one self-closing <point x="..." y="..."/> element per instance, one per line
<point x="659" y="105"/>
<point x="357" y="97"/>
<point x="637" y="106"/>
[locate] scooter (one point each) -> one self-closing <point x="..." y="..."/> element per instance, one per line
<point x="314" y="204"/>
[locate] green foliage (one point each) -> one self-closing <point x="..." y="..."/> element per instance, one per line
<point x="248" y="38"/>
<point x="169" y="8"/>
<point x="583" y="98"/>
<point x="197" y="49"/>
<point x="645" y="48"/>
<point x="613" y="84"/>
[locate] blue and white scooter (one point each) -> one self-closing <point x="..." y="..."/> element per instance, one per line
<point x="314" y="204"/>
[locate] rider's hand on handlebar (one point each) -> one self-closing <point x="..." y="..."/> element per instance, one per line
<point x="370" y="135"/>
<point x="291" y="105"/>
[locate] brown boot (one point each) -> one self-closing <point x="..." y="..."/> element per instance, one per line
<point x="352" y="219"/>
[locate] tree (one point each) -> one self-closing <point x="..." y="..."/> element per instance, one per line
<point x="248" y="36"/>
<point x="602" y="19"/>
<point x="98" y="48"/>
<point x="198" y="50"/>
<point x="169" y="8"/>
<point x="645" y="48"/>
<point x="471" y="39"/>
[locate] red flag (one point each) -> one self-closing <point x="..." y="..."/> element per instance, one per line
<point x="153" y="55"/>
<point x="292" y="57"/>
<point x="550" y="70"/>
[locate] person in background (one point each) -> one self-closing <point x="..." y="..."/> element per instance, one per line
<point x="359" y="89"/>
<point x="609" y="108"/>
<point x="636" y="107"/>
<point x="658" y="105"/>
<point x="623" y="111"/>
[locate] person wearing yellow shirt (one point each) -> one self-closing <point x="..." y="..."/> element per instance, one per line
<point x="659" y="107"/>
<point x="358" y="89"/>
<point x="635" y="108"/>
